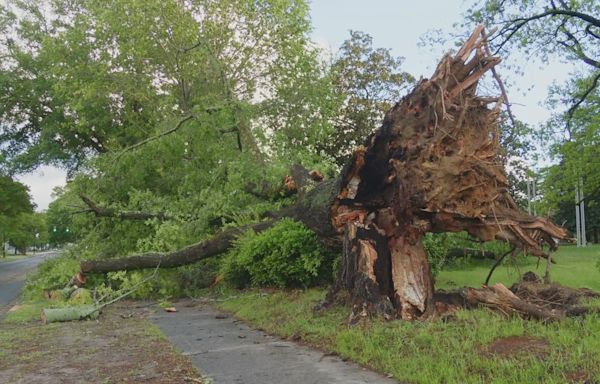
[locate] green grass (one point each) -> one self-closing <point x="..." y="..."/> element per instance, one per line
<point x="443" y="352"/>
<point x="575" y="267"/>
<point x="13" y="257"/>
<point x="25" y="313"/>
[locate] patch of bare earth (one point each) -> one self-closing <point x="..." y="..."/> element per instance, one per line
<point x="516" y="345"/>
<point x="120" y="347"/>
<point x="579" y="377"/>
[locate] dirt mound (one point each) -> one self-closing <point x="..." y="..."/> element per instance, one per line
<point x="514" y="345"/>
<point x="552" y="296"/>
<point x="579" y="377"/>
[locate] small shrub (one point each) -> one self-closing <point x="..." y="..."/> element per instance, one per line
<point x="52" y="274"/>
<point x="287" y="255"/>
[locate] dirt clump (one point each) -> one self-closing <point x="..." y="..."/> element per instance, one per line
<point x="514" y="345"/>
<point x="579" y="377"/>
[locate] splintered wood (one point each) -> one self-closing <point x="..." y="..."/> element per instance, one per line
<point x="433" y="166"/>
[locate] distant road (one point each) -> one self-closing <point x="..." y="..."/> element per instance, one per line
<point x="12" y="275"/>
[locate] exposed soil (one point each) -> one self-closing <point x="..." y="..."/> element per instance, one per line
<point x="515" y="345"/>
<point x="579" y="377"/>
<point x="120" y="347"/>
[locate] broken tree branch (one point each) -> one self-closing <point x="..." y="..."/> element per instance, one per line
<point x="101" y="211"/>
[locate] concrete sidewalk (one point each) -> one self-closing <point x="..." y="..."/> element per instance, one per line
<point x="227" y="351"/>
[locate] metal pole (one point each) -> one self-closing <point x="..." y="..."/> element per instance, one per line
<point x="577" y="222"/>
<point x="528" y="197"/>
<point x="534" y="195"/>
<point x="582" y="213"/>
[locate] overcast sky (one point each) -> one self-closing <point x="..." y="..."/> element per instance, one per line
<point x="395" y="24"/>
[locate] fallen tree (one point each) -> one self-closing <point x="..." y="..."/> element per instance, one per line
<point x="433" y="166"/>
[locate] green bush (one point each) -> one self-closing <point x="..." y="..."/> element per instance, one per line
<point x="437" y="248"/>
<point x="51" y="274"/>
<point x="287" y="255"/>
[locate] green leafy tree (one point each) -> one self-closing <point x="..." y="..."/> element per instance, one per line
<point x="168" y="107"/>
<point x="28" y="230"/>
<point x="578" y="156"/>
<point x="560" y="29"/>
<point x="371" y="81"/>
<point x="62" y="222"/>
<point x="14" y="202"/>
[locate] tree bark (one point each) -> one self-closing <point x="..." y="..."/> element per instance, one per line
<point x="80" y="312"/>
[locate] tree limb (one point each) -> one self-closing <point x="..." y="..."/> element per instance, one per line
<point x="191" y="254"/>
<point x="101" y="211"/>
<point x="156" y="137"/>
<point x="584" y="96"/>
<point x="515" y="25"/>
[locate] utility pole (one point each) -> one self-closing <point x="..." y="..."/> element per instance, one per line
<point x="580" y="214"/>
<point x="528" y="196"/>
<point x="531" y="195"/>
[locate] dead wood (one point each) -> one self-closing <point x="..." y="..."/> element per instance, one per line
<point x="502" y="299"/>
<point x="530" y="298"/>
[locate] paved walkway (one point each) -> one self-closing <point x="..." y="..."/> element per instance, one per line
<point x="227" y="351"/>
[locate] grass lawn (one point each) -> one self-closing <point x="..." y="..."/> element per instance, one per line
<point x="575" y="267"/>
<point x="477" y="347"/>
<point x="14" y="257"/>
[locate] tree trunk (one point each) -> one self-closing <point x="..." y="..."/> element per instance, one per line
<point x="80" y="312"/>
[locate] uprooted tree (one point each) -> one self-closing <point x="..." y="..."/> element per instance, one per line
<point x="433" y="166"/>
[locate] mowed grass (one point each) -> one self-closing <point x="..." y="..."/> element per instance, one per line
<point x="13" y="257"/>
<point x="575" y="267"/>
<point x="454" y="351"/>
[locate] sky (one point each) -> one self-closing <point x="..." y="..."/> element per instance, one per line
<point x="395" y="24"/>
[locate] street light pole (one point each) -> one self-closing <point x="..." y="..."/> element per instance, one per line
<point x="582" y="214"/>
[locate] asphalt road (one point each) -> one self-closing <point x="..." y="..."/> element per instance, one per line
<point x="228" y="352"/>
<point x="13" y="273"/>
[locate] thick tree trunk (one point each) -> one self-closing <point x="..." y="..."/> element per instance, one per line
<point x="80" y="312"/>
